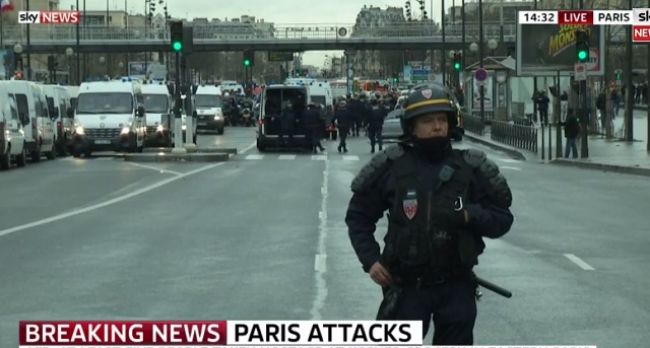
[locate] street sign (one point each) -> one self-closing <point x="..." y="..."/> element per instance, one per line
<point x="280" y="56"/>
<point x="580" y="72"/>
<point x="480" y="75"/>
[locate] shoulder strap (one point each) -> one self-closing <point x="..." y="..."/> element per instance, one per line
<point x="376" y="167"/>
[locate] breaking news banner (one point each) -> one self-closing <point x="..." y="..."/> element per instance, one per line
<point x="218" y="333"/>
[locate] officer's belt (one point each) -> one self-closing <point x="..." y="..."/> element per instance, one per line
<point x="431" y="278"/>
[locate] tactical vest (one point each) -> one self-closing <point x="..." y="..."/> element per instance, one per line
<point x="415" y="241"/>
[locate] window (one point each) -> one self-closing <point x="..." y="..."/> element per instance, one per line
<point x="158" y="103"/>
<point x="207" y="101"/>
<point x="21" y="103"/>
<point x="105" y="103"/>
<point x="12" y="106"/>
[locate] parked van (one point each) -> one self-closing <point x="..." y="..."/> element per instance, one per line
<point x="62" y="114"/>
<point x="158" y="104"/>
<point x="12" y="135"/>
<point x="34" y="116"/>
<point x="110" y="115"/>
<point x="208" y="104"/>
<point x="73" y="91"/>
<point x="274" y="99"/>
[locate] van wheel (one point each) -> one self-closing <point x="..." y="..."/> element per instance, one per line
<point x="260" y="146"/>
<point x="5" y="160"/>
<point x="36" y="155"/>
<point x="21" y="159"/>
<point x="51" y="154"/>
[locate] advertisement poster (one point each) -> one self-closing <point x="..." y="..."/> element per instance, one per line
<point x="542" y="50"/>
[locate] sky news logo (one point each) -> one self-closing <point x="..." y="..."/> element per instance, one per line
<point x="48" y="17"/>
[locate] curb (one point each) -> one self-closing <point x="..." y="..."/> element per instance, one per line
<point x="602" y="166"/>
<point x="183" y="157"/>
<point x="516" y="154"/>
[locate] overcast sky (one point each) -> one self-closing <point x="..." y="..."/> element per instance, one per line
<point x="277" y="11"/>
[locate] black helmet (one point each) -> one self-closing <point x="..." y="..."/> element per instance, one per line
<point x="426" y="99"/>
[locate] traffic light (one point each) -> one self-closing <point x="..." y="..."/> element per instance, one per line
<point x="249" y="58"/>
<point x="582" y="46"/>
<point x="176" y="33"/>
<point x="458" y="61"/>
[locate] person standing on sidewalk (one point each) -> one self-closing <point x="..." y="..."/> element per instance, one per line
<point x="571" y="132"/>
<point x="564" y="106"/>
<point x="542" y="104"/>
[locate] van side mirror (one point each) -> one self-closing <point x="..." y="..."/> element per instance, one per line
<point x="140" y="111"/>
<point x="70" y="112"/>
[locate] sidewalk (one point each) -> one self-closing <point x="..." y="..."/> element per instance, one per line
<point x="607" y="155"/>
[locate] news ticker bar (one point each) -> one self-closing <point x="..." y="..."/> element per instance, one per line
<point x="310" y="346"/>
<point x="636" y="16"/>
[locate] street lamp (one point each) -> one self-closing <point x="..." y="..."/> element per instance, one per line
<point x="492" y="45"/>
<point x="68" y="53"/>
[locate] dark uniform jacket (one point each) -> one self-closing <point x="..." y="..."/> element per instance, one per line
<point x="399" y="178"/>
<point x="343" y="118"/>
<point x="377" y="115"/>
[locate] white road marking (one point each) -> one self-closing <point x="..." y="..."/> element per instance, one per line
<point x="287" y="157"/>
<point x="254" y="157"/>
<point x="161" y="170"/>
<point x="351" y="158"/>
<point x="104" y="159"/>
<point x="578" y="261"/>
<point x="107" y="203"/>
<point x="249" y="147"/>
<point x="320" y="262"/>
<point x="510" y="168"/>
<point x="318" y="157"/>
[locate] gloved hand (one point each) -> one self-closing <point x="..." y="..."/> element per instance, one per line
<point x="450" y="218"/>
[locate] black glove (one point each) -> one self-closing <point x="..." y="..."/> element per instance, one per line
<point x="449" y="218"/>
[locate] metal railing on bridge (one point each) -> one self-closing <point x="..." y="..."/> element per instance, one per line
<point x="241" y="31"/>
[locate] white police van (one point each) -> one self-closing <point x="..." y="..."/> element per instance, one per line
<point x="208" y="104"/>
<point x="62" y="114"/>
<point x="110" y="115"/>
<point x="158" y="104"/>
<point x="34" y="117"/>
<point x="12" y="135"/>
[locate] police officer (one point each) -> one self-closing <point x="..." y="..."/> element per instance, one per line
<point x="343" y="121"/>
<point x="442" y="202"/>
<point x="375" y="124"/>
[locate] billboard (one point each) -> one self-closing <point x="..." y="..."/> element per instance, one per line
<point x="543" y="49"/>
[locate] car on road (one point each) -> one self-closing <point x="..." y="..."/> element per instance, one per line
<point x="12" y="135"/>
<point x="34" y="116"/>
<point x="273" y="99"/>
<point x="208" y="104"/>
<point x="62" y="114"/>
<point x="110" y="115"/>
<point x="158" y="106"/>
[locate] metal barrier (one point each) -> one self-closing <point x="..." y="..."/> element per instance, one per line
<point x="473" y="124"/>
<point x="517" y="135"/>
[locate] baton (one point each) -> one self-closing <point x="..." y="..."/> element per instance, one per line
<point x="493" y="287"/>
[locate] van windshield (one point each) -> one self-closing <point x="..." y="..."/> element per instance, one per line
<point x="105" y="103"/>
<point x="156" y="103"/>
<point x="318" y="99"/>
<point x="207" y="101"/>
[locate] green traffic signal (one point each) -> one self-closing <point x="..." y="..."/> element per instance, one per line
<point x="247" y="62"/>
<point x="177" y="46"/>
<point x="582" y="55"/>
<point x="457" y="66"/>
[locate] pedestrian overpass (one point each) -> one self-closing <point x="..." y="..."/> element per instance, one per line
<point x="209" y="37"/>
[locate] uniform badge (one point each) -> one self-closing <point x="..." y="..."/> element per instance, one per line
<point x="410" y="204"/>
<point x="427" y="93"/>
